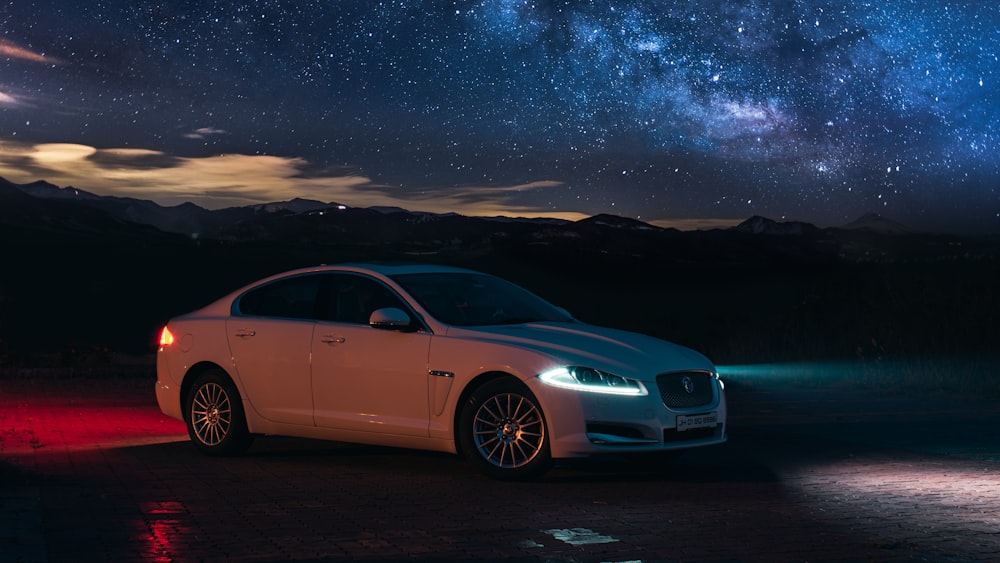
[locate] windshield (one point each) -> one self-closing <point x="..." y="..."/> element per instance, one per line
<point x="477" y="299"/>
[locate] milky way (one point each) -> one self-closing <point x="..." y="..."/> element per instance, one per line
<point x="809" y="110"/>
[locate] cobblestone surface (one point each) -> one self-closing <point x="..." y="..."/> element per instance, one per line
<point x="91" y="471"/>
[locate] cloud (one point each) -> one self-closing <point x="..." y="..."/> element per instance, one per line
<point x="135" y="159"/>
<point x="11" y="50"/>
<point x="204" y="132"/>
<point x="235" y="180"/>
<point x="212" y="182"/>
<point x="479" y="200"/>
<point x="54" y="154"/>
<point x="8" y="100"/>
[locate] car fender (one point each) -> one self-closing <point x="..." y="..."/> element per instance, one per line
<point x="210" y="348"/>
<point x="462" y="361"/>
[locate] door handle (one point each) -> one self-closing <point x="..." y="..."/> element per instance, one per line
<point x="331" y="339"/>
<point x="244" y="332"/>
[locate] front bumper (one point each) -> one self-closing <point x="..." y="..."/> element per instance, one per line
<point x="588" y="424"/>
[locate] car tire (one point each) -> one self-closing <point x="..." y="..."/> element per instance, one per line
<point x="214" y="415"/>
<point x="502" y="430"/>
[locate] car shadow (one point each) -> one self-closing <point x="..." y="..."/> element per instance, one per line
<point x="715" y="464"/>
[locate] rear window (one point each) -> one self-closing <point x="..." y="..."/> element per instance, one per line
<point x="293" y="298"/>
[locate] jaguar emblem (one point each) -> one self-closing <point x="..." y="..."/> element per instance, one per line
<point x="688" y="384"/>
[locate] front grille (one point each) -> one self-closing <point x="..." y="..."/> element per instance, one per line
<point x="686" y="389"/>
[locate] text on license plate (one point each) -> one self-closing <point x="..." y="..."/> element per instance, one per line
<point x="707" y="420"/>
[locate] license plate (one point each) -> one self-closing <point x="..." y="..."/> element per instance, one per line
<point x="708" y="420"/>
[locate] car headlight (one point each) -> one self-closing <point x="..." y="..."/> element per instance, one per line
<point x="592" y="381"/>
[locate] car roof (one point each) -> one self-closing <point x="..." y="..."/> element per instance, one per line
<point x="384" y="268"/>
<point x="394" y="268"/>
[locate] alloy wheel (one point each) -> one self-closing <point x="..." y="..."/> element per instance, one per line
<point x="508" y="430"/>
<point x="211" y="414"/>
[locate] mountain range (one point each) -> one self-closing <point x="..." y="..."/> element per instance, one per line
<point x="45" y="209"/>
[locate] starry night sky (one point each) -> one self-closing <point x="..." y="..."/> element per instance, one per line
<point x="685" y="113"/>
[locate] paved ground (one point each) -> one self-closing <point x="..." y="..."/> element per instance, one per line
<point x="90" y="471"/>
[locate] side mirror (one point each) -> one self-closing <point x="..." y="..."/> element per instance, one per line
<point x="390" y="318"/>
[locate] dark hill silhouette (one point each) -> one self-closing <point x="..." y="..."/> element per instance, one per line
<point x="758" y="225"/>
<point x="108" y="271"/>
<point x="876" y="223"/>
<point x="38" y="217"/>
<point x="758" y="240"/>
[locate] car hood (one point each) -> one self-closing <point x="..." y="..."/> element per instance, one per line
<point x="575" y="343"/>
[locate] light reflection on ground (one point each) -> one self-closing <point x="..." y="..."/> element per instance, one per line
<point x="76" y="428"/>
<point x="162" y="525"/>
<point x="949" y="494"/>
<point x="579" y="536"/>
<point x="895" y="475"/>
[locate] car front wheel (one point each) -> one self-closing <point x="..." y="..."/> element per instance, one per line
<point x="502" y="430"/>
<point x="214" y="415"/>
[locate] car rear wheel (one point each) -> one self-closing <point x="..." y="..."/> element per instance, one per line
<point x="214" y="414"/>
<point x="502" y="430"/>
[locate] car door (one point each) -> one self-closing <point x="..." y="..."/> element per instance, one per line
<point x="368" y="379"/>
<point x="270" y="336"/>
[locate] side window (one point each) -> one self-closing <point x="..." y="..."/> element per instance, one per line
<point x="353" y="299"/>
<point x="293" y="298"/>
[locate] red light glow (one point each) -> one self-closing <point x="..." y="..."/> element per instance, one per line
<point x="166" y="337"/>
<point x="83" y="427"/>
<point x="46" y="418"/>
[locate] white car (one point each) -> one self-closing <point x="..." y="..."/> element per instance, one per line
<point x="429" y="357"/>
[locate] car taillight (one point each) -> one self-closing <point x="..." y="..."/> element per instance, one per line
<point x="166" y="337"/>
